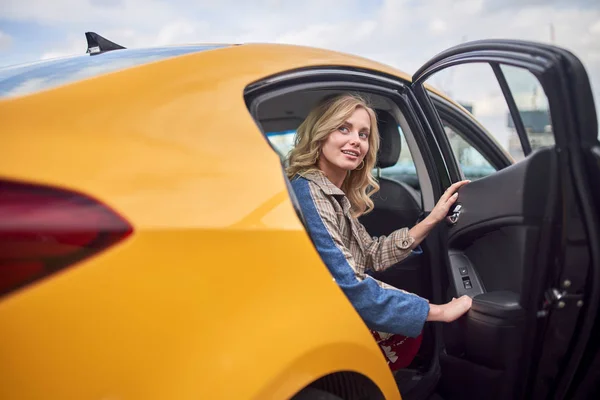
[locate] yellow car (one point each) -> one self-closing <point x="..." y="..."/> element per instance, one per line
<point x="152" y="248"/>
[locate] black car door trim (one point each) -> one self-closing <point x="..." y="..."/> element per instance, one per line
<point x="314" y="74"/>
<point x="514" y="110"/>
<point x="486" y="47"/>
<point x="431" y="117"/>
<point x="518" y="61"/>
<point x="580" y="118"/>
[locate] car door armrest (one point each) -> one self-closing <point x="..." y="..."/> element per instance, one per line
<point x="500" y="304"/>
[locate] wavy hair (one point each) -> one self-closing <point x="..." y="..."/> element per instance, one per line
<point x="359" y="185"/>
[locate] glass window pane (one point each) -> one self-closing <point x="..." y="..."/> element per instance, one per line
<point x="472" y="163"/>
<point x="532" y="104"/>
<point x="475" y="87"/>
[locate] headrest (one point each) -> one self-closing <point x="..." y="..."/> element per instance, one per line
<point x="389" y="146"/>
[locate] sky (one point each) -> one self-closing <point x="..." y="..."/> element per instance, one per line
<point x="401" y="33"/>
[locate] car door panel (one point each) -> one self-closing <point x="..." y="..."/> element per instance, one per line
<point x="493" y="246"/>
<point x="513" y="239"/>
<point x="491" y="238"/>
<point x="495" y="316"/>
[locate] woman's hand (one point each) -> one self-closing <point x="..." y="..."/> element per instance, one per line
<point x="440" y="211"/>
<point x="450" y="311"/>
<point x="420" y="231"/>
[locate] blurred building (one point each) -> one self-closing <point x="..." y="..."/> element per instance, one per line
<point x="539" y="131"/>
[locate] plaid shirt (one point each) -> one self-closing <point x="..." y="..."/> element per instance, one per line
<point x="349" y="252"/>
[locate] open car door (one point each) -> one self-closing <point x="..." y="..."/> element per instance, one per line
<point x="524" y="242"/>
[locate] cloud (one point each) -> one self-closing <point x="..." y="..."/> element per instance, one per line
<point x="327" y="35"/>
<point x="495" y="5"/>
<point x="78" y="13"/>
<point x="73" y="45"/>
<point x="437" y="25"/>
<point x="5" y="41"/>
<point x="401" y="33"/>
<point x="106" y="3"/>
<point x="180" y="31"/>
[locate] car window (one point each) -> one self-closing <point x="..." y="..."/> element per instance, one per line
<point x="533" y="107"/>
<point x="282" y="142"/>
<point x="476" y="87"/>
<point x="472" y="163"/>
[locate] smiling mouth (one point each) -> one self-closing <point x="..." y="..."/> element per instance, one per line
<point x="351" y="153"/>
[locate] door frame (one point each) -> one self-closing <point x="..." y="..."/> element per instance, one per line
<point x="396" y="90"/>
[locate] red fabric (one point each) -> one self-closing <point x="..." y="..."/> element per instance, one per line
<point x="399" y="351"/>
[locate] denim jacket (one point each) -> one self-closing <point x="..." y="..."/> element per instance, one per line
<point x="349" y="252"/>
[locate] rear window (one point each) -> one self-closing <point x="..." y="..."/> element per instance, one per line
<point x="25" y="79"/>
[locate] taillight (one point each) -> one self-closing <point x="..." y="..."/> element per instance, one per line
<point x="44" y="230"/>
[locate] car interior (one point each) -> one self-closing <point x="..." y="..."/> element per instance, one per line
<point x="396" y="204"/>
<point x="491" y="252"/>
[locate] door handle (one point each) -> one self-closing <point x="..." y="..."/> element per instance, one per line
<point x="454" y="214"/>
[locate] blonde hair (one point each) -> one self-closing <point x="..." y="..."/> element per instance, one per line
<point x="359" y="185"/>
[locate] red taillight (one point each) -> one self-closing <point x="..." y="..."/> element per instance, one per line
<point x="45" y="229"/>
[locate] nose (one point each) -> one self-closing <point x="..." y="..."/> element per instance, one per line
<point x="355" y="140"/>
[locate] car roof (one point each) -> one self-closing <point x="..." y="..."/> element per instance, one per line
<point x="23" y="79"/>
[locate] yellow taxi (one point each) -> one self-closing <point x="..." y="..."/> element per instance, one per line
<point x="152" y="248"/>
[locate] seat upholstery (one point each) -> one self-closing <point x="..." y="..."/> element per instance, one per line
<point x="396" y="204"/>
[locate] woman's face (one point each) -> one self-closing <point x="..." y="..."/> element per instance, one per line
<point x="346" y="147"/>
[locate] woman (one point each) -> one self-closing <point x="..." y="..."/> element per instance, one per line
<point x="330" y="170"/>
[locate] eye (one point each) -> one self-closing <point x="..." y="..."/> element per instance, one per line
<point x="343" y="129"/>
<point x="364" y="135"/>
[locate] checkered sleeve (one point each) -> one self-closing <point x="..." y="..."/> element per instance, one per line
<point x="384" y="251"/>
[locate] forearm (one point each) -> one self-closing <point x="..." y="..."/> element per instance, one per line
<point x="435" y="313"/>
<point x="386" y="309"/>
<point x="420" y="231"/>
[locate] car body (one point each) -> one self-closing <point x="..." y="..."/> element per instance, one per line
<point x="207" y="284"/>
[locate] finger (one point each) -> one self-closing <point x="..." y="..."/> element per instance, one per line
<point x="458" y="184"/>
<point x="447" y="193"/>
<point x="452" y="199"/>
<point x="453" y="188"/>
<point x="445" y="208"/>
